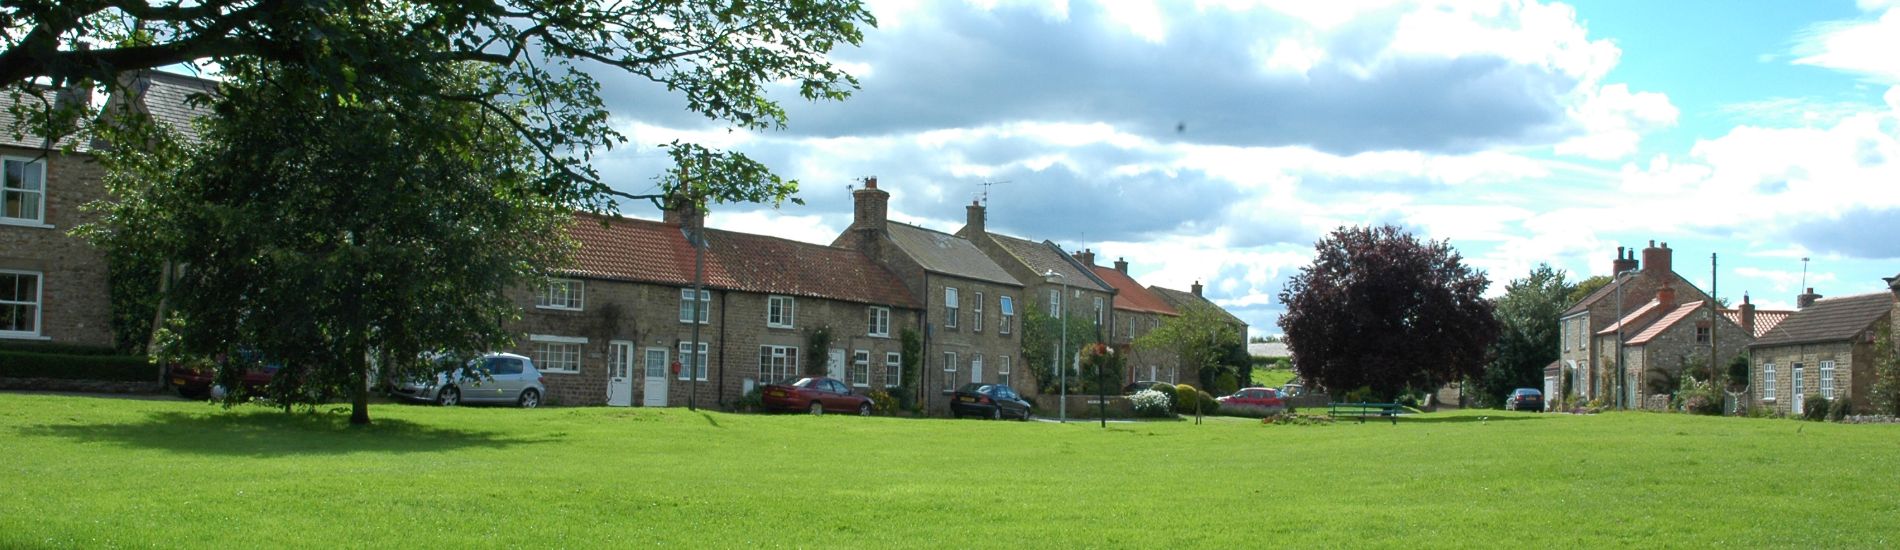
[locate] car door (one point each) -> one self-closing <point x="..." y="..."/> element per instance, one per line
<point x="838" y="397"/>
<point x="507" y="378"/>
<point x="1014" y="402"/>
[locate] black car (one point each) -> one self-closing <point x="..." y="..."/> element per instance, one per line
<point x="1525" y="399"/>
<point x="992" y="401"/>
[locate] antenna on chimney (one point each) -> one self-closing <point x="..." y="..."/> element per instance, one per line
<point x="1804" y="272"/>
<point x="986" y="190"/>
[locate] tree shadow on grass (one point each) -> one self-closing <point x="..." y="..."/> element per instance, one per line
<point x="268" y="434"/>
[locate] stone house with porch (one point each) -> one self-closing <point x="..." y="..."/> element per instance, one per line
<point x="1664" y="340"/>
<point x="971" y="307"/>
<point x="611" y="329"/>
<point x="54" y="286"/>
<point x="1826" y="347"/>
<point x="1137" y="311"/>
<point x="1587" y="368"/>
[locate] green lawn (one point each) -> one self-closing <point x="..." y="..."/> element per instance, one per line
<point x="1273" y="378"/>
<point x="92" y="472"/>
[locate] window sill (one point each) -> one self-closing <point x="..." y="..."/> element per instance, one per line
<point x="16" y="222"/>
<point x="557" y="308"/>
<point x="554" y="371"/>
<point x="23" y="336"/>
<point x="780" y="327"/>
<point x="885" y="335"/>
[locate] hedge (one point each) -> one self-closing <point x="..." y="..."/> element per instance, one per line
<point x="130" y="368"/>
<point x="56" y="348"/>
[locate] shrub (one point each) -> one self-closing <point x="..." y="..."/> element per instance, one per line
<point x="1225" y="383"/>
<point x="751" y="401"/>
<point x="1152" y="404"/>
<point x="56" y="348"/>
<point x="129" y="368"/>
<point x="1840" y="409"/>
<point x="1183" y="400"/>
<point x="1208" y="404"/>
<point x="1698" y="397"/>
<point x="1814" y="408"/>
<point x="882" y="402"/>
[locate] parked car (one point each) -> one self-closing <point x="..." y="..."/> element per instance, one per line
<point x="199" y="383"/>
<point x="1138" y="387"/>
<point x="492" y="378"/>
<point x="992" y="401"/>
<point x="816" y="394"/>
<point x="1266" y="399"/>
<point x="1525" y="399"/>
<point x="1292" y="389"/>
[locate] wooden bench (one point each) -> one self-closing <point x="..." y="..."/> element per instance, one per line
<point x="1363" y="410"/>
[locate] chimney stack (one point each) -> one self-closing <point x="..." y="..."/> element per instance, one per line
<point x="1806" y="299"/>
<point x="975" y="215"/>
<point x="1197" y="288"/>
<point x="1747" y="314"/>
<point x="869" y="211"/>
<point x="1086" y="256"/>
<point x="1893" y="285"/>
<point x="1667" y="296"/>
<point x="1121" y="264"/>
<point x="1625" y="261"/>
<point x="681" y="212"/>
<point x="1657" y="259"/>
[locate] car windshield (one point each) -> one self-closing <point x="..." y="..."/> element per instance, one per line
<point x="975" y="388"/>
<point x="804" y="382"/>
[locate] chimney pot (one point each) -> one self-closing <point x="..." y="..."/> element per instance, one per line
<point x="870" y="182"/>
<point x="1659" y="260"/>
<point x="1086" y="256"/>
<point x="1806" y="299"/>
<point x="1196" y="288"/>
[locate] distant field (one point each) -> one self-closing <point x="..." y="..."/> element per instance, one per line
<point x="1273" y="378"/>
<point x="93" y="472"/>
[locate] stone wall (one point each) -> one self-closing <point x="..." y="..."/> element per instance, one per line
<point x="1851" y="372"/>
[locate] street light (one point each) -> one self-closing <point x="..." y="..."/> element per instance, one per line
<point x="1062" y="316"/>
<point x="1622" y="371"/>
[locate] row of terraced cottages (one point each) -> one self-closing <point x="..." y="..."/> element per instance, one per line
<point x="611" y="330"/>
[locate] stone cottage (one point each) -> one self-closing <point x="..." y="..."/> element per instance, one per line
<point x="1588" y="370"/>
<point x="1825" y="348"/>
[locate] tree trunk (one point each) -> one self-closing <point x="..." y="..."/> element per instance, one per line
<point x="359" y="389"/>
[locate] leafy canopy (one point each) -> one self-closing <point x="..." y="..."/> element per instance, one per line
<point x="1378" y="309"/>
<point x="1529" y="334"/>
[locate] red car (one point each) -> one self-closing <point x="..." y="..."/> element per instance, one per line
<point x="816" y="394"/>
<point x="195" y="383"/>
<point x="1267" y="399"/>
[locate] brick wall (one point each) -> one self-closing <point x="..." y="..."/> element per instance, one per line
<point x="75" y="306"/>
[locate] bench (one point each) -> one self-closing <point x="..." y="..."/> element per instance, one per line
<point x="1363" y="410"/>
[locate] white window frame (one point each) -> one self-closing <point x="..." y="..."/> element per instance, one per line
<point x="1768" y="381"/>
<point x="572" y="295"/>
<point x="1002" y="369"/>
<point x="39" y="215"/>
<point x="1055" y="303"/>
<point x="976" y="368"/>
<point x="880" y="326"/>
<point x="780" y="311"/>
<point x="777" y="363"/>
<point x="38" y="304"/>
<point x="1099" y="312"/>
<point x="1008" y="310"/>
<point x="705" y="306"/>
<point x="1827" y="379"/>
<point x="860" y="372"/>
<point x="893" y="369"/>
<point x="951" y="307"/>
<point x="686" y="369"/>
<point x="540" y="354"/>
<point x="976" y="313"/>
<point x="950" y="372"/>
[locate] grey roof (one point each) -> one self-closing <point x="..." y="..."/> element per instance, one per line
<point x="167" y="97"/>
<point x="32" y="96"/>
<point x="1829" y="320"/>
<point x="1269" y="349"/>
<point x="1043" y="257"/>
<point x="948" y="254"/>
<point x="1180" y="299"/>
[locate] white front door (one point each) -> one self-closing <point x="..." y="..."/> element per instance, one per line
<point x="620" y="373"/>
<point x="1799" y="397"/>
<point x="655" y="388"/>
<point x="976" y="372"/>
<point x="835" y="367"/>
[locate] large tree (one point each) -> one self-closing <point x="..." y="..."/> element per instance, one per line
<point x="1042" y="334"/>
<point x="721" y="57"/>
<point x="1528" y="337"/>
<point x="1379" y="309"/>
<point x="1202" y="338"/>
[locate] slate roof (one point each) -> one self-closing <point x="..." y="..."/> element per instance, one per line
<point x="1829" y="320"/>
<point x="1043" y="257"/>
<point x="1179" y="299"/>
<point x="948" y="254"/>
<point x="31" y="95"/>
<point x="630" y="249"/>
<point x="1130" y="295"/>
<point x="1668" y="320"/>
<point x="1765" y="319"/>
<point x="167" y="98"/>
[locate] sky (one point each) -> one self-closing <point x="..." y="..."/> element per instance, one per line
<point x="1216" y="141"/>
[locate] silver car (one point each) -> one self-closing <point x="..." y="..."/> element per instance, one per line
<point x="498" y="378"/>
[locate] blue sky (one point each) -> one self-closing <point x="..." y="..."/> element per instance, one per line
<point x="1216" y="140"/>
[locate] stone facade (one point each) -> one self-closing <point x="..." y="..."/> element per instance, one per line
<point x="1587" y="357"/>
<point x="74" y="302"/>
<point x="1852" y="372"/>
<point x="1662" y="360"/>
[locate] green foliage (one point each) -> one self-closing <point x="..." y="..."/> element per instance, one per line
<point x="1209" y="405"/>
<point x="912" y="359"/>
<point x="1814" y="407"/>
<point x="1528" y="338"/>
<point x="1225" y="384"/>
<point x="1102" y="367"/>
<point x="1202" y="338"/>
<point x="752" y="401"/>
<point x="1886" y="388"/>
<point x="883" y="403"/>
<point x="60" y="348"/>
<point x="1737" y="375"/>
<point x="127" y="368"/>
<point x="817" y="350"/>
<point x="1185" y="397"/>
<point x="1152" y="404"/>
<point x="1584" y="288"/>
<point x="1042" y="334"/>
<point x="1167" y="390"/>
<point x="1378" y="308"/>
<point x="1697" y="396"/>
<point x="1840" y="409"/>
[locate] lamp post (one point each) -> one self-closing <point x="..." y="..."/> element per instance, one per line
<point x="1622" y="370"/>
<point x="1062" y="316"/>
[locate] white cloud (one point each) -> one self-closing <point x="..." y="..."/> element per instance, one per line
<point x="1865" y="47"/>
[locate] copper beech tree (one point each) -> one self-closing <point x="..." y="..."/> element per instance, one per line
<point x="1382" y="311"/>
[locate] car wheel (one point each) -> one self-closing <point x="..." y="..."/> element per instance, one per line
<point x="864" y="409"/>
<point x="449" y="396"/>
<point x="530" y="399"/>
<point x="996" y="413"/>
<point x="1024" y="417"/>
<point x="817" y="409"/>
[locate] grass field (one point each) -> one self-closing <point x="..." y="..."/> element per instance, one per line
<point x="1273" y="378"/>
<point x="91" y="472"/>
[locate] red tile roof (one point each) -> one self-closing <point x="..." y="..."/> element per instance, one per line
<point x="1765" y="319"/>
<point x="1668" y="320"/>
<point x="629" y="249"/>
<point x="1631" y="318"/>
<point x="1130" y="295"/>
